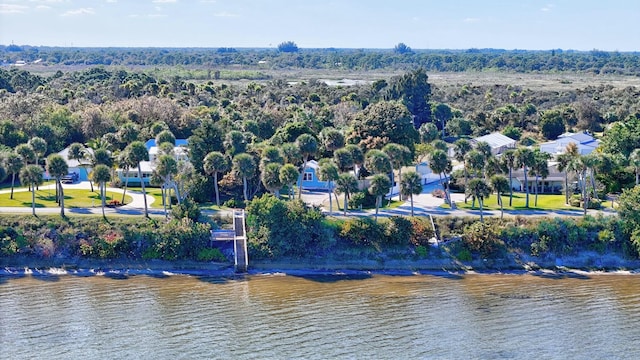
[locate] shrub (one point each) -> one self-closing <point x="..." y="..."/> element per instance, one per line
<point x="482" y="238"/>
<point x="464" y="255"/>
<point x="356" y="200"/>
<point x="211" y="254"/>
<point x="187" y="209"/>
<point x="398" y="231"/>
<point x="362" y="231"/>
<point x="422" y="231"/>
<point x="422" y="251"/>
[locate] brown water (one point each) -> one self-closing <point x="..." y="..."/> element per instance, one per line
<point x="329" y="317"/>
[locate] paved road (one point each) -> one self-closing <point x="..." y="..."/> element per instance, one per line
<point x="424" y="204"/>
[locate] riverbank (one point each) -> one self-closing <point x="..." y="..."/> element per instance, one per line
<point x="583" y="263"/>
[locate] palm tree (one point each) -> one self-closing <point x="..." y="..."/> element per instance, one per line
<point x="377" y="162"/>
<point x="137" y="153"/>
<point x="332" y="139"/>
<point x="288" y="176"/>
<point x="215" y="162"/>
<point x="245" y="166"/>
<point x="270" y="177"/>
<point x="39" y="146"/>
<point x="439" y="163"/>
<point x="399" y="155"/>
<point x="357" y="156"/>
<point x="634" y="160"/>
<point x="346" y="184"/>
<point x="328" y="171"/>
<point x="77" y="152"/>
<point x="379" y="187"/>
<point x="101" y="174"/>
<point x="166" y="167"/>
<point x="270" y="154"/>
<point x="13" y="163"/>
<point x="124" y="162"/>
<point x="57" y="167"/>
<point x="411" y="185"/>
<point x="525" y="159"/>
<point x="479" y="189"/>
<point x="500" y="185"/>
<point x="562" y="165"/>
<point x="580" y="165"/>
<point x="32" y="175"/>
<point x="460" y="149"/>
<point x="308" y="146"/>
<point x="509" y="161"/>
<point x="540" y="168"/>
<point x="26" y="153"/>
<point x="343" y="159"/>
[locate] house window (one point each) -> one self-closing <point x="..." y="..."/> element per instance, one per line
<point x="308" y="176"/>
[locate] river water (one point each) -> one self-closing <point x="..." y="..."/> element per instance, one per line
<point x="276" y="316"/>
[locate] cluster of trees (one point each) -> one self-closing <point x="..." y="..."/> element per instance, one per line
<point x="287" y="54"/>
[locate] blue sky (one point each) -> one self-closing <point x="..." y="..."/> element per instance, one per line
<point x="421" y="24"/>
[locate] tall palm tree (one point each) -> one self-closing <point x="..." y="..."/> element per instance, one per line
<point x="399" y="155"/>
<point x="328" y="171"/>
<point x="509" y="161"/>
<point x="346" y="184"/>
<point x="137" y="153"/>
<point x="634" y="160"/>
<point x="13" y="163"/>
<point x="411" y="185"/>
<point x="379" y="187"/>
<point x="580" y="165"/>
<point x="540" y="169"/>
<point x="288" y="176"/>
<point x="479" y="189"/>
<point x="270" y="177"/>
<point x="525" y="159"/>
<point x="343" y="159"/>
<point x="57" y="167"/>
<point x="245" y="166"/>
<point x="562" y="165"/>
<point x="500" y="185"/>
<point x="166" y="167"/>
<point x="357" y="156"/>
<point x="77" y="152"/>
<point x="39" y="146"/>
<point x="439" y="163"/>
<point x="101" y="174"/>
<point x="460" y="149"/>
<point x="332" y="139"/>
<point x="308" y="146"/>
<point x="215" y="162"/>
<point x="31" y="175"/>
<point x="124" y="162"/>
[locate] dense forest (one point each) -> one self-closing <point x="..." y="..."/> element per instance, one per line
<point x="255" y="136"/>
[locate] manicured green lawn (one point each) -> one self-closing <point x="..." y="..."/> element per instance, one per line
<point x="72" y="198"/>
<point x="155" y="192"/>
<point x="545" y="202"/>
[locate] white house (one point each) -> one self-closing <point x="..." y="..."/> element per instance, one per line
<point x="180" y="151"/>
<point x="82" y="167"/>
<point x="586" y="144"/>
<point x="498" y="142"/>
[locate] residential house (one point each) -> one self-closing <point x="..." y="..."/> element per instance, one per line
<point x="552" y="184"/>
<point x="82" y="167"/>
<point x="586" y="144"/>
<point x="499" y="143"/>
<point x="180" y="151"/>
<point x="310" y="180"/>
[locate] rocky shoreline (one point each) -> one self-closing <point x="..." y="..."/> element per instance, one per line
<point x="584" y="262"/>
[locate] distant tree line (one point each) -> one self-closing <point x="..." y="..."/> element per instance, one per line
<point x="287" y="54"/>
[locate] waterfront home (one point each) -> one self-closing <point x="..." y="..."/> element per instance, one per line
<point x="552" y="184"/>
<point x="82" y="167"/>
<point x="180" y="152"/>
<point x="499" y="143"/>
<point x="586" y="144"/>
<point x="310" y="180"/>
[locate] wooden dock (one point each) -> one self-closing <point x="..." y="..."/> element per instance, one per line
<point x="239" y="237"/>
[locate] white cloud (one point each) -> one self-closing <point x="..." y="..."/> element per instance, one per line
<point x="12" y="9"/>
<point x="81" y="11"/>
<point x="111" y="1"/>
<point x="225" y="14"/>
<point x="547" y="8"/>
<point x="43" y="7"/>
<point x="164" y="1"/>
<point x="471" y="20"/>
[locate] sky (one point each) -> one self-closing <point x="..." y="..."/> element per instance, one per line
<point x="610" y="25"/>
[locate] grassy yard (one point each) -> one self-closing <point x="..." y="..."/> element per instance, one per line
<point x="73" y="198"/>
<point x="545" y="202"/>
<point x="155" y="192"/>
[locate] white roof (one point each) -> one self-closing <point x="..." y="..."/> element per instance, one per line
<point x="579" y="137"/>
<point x="496" y="140"/>
<point x="74" y="163"/>
<point x="312" y="164"/>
